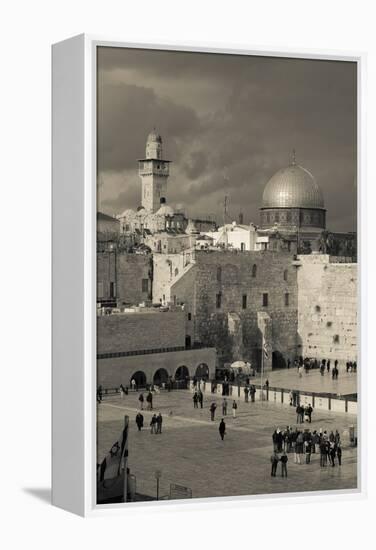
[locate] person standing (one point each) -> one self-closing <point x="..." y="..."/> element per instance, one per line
<point x="141" y="400"/>
<point x="201" y="399"/>
<point x="213" y="406"/>
<point x="339" y="454"/>
<point x="224" y="407"/>
<point x="222" y="429"/>
<point x="133" y="384"/>
<point x="308" y="450"/>
<point x="274" y="459"/>
<point x="195" y="400"/>
<point x="139" y="421"/>
<point x="253" y="392"/>
<point x="149" y="399"/>
<point x="284" y="458"/>
<point x="159" y="423"/>
<point x="309" y="411"/>
<point x="234" y="408"/>
<point x="153" y="424"/>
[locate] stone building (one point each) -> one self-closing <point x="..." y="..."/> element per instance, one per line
<point x="149" y="346"/>
<point x="107" y="226"/>
<point x="123" y="278"/>
<point x="154" y="213"/>
<point x="293" y="205"/>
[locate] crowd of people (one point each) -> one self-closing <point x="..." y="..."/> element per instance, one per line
<point x="303" y="444"/>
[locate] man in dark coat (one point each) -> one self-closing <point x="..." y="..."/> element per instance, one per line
<point x="159" y="423"/>
<point x="284" y="459"/>
<point x="222" y="429"/>
<point x="274" y="459"/>
<point x="201" y="398"/>
<point x="139" y="421"/>
<point x="213" y="406"/>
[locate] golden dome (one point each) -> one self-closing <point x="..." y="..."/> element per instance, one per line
<point x="292" y="187"/>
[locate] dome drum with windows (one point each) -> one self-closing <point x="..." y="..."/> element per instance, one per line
<point x="292" y="199"/>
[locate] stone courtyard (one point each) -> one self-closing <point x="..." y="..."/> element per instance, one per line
<point x="189" y="451"/>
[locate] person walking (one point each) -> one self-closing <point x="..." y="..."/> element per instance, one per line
<point x="339" y="454"/>
<point x="149" y="399"/>
<point x="246" y="393"/>
<point x="299" y="448"/>
<point x="213" y="406"/>
<point x="308" y="413"/>
<point x="252" y="392"/>
<point x="284" y="458"/>
<point x="234" y="408"/>
<point x="222" y="429"/>
<point x="224" y="407"/>
<point x="274" y="459"/>
<point x="99" y="394"/>
<point x="133" y="384"/>
<point x="332" y="453"/>
<point x="139" y="421"/>
<point x="141" y="400"/>
<point x="159" y="423"/>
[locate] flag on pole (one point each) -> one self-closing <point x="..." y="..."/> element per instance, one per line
<point x="112" y="469"/>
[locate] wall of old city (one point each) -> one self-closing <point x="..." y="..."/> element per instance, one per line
<point x="150" y="330"/>
<point x="241" y="279"/>
<point x="111" y="372"/>
<point x="131" y="275"/>
<point x="327" y="306"/>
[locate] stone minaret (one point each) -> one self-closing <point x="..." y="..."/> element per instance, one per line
<point x="154" y="172"/>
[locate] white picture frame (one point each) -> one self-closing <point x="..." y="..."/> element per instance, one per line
<point x="74" y="272"/>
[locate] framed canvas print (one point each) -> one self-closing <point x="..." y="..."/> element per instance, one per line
<point x="207" y="295"/>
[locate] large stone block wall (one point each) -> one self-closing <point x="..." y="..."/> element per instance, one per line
<point x="126" y="271"/>
<point x="120" y="370"/>
<point x="199" y="290"/>
<point x="140" y="331"/>
<point x="327" y="305"/>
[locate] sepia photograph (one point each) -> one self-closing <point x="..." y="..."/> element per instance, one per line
<point x="227" y="275"/>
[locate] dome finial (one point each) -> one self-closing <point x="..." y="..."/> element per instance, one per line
<point x="293" y="157"/>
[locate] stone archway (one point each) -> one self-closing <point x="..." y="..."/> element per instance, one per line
<point x="278" y="361"/>
<point x="140" y="378"/>
<point x="160" y="377"/>
<point x="182" y="373"/>
<point x="202" y="371"/>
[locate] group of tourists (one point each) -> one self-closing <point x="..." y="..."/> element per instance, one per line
<point x="249" y="391"/>
<point x="149" y="401"/>
<point x="225" y="407"/>
<point x="155" y="423"/>
<point x="303" y="444"/>
<point x="351" y="366"/>
<point x="198" y="398"/>
<point x="302" y="413"/>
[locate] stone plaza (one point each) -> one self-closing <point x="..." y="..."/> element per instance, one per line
<point x="189" y="452"/>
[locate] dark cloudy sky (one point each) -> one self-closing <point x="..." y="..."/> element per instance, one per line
<point x="228" y="123"/>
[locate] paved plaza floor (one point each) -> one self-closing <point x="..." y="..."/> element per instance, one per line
<point x="311" y="381"/>
<point x="189" y="451"/>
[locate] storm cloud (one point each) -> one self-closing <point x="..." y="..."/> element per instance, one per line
<point x="228" y="123"/>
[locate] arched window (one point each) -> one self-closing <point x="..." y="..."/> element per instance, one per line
<point x="254" y="270"/>
<point x="285" y="275"/>
<point x="219" y="273"/>
<point x="176" y="272"/>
